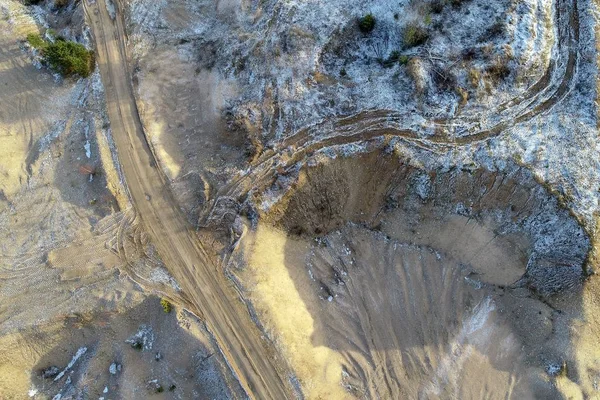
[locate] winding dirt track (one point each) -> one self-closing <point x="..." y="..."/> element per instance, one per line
<point x="176" y="241"/>
<point x="438" y="136"/>
<point x="212" y="295"/>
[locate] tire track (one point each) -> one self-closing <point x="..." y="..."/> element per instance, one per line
<point x="548" y="91"/>
<point x="252" y="359"/>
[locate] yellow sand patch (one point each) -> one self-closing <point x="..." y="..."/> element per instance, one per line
<point x="277" y="299"/>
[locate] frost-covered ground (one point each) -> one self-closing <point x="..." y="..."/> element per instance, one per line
<point x="298" y="63"/>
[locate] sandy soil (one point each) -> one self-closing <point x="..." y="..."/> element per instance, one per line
<point x="27" y="111"/>
<point x="383" y="230"/>
<point x="418" y="291"/>
<point x="70" y="245"/>
<point x="177" y="352"/>
<point x="260" y="372"/>
<point x="183" y="118"/>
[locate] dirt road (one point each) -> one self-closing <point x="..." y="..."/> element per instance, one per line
<point x="176" y="240"/>
<point x="248" y="355"/>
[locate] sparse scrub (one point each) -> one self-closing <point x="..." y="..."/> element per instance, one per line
<point x="498" y="71"/>
<point x="165" y="305"/>
<point x="416" y="71"/>
<point x="463" y="94"/>
<point x="395" y="57"/>
<point x="414" y="35"/>
<point x="367" y="23"/>
<point x="474" y="77"/>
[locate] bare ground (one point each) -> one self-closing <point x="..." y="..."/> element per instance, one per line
<point x="372" y="275"/>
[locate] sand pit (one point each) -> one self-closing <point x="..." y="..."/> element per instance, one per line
<point x="437" y="278"/>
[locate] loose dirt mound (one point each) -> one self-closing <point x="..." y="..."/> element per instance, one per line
<point x="411" y="281"/>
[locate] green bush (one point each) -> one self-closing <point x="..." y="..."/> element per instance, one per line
<point x="69" y="58"/>
<point x="66" y="57"/>
<point x="165" y="305"/>
<point x="367" y="23"/>
<point x="414" y="35"/>
<point x="395" y="57"/>
<point x="36" y="41"/>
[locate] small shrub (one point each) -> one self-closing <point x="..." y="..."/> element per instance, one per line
<point x="137" y="345"/>
<point x="367" y="23"/>
<point x="165" y="305"/>
<point x="414" y="35"/>
<point x="66" y="57"/>
<point x="31" y="2"/>
<point x="474" y="77"/>
<point x="445" y="80"/>
<point x="60" y="3"/>
<point x="390" y="61"/>
<point x="36" y="41"/>
<point x="469" y="54"/>
<point x="69" y="58"/>
<point x="498" y="71"/>
<point x="437" y="6"/>
<point x="343" y="72"/>
<point x="395" y="57"/>
<point x="172" y="388"/>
